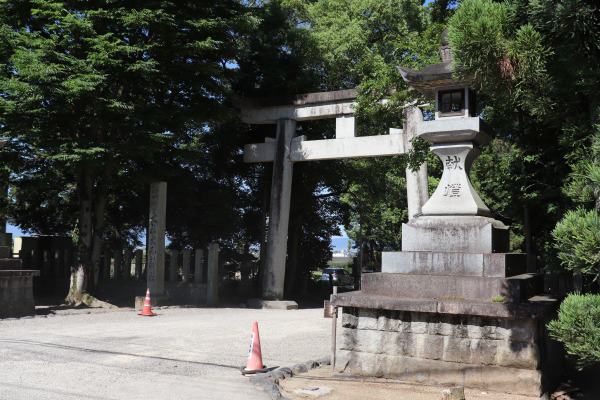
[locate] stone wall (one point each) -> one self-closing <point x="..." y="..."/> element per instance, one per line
<point x="490" y="353"/>
<point x="16" y="294"/>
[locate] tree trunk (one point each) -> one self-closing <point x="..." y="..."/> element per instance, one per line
<point x="98" y="230"/>
<point x="246" y="265"/>
<point x="80" y="272"/>
<point x="100" y="200"/>
<point x="529" y="246"/>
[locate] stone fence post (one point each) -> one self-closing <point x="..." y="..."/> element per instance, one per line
<point x="187" y="255"/>
<point x="212" y="289"/>
<point x="46" y="265"/>
<point x="139" y="255"/>
<point x="127" y="264"/>
<point x="117" y="274"/>
<point x="198" y="261"/>
<point x="173" y="265"/>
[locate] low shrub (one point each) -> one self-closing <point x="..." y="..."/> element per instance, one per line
<point x="578" y="328"/>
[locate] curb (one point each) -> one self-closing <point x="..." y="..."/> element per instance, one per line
<point x="268" y="382"/>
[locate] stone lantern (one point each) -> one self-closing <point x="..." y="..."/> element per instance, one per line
<point x="455" y="216"/>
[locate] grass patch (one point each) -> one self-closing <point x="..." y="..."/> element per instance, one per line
<point x="453" y="298"/>
<point x="344" y="265"/>
<point x="316" y="275"/>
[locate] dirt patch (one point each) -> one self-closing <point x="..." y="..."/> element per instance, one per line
<point x="345" y="388"/>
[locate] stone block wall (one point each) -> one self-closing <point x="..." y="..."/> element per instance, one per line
<point x="491" y="353"/>
<point x="16" y="296"/>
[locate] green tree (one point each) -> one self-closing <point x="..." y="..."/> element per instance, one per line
<point x="94" y="91"/>
<point x="377" y="198"/>
<point x="362" y="42"/>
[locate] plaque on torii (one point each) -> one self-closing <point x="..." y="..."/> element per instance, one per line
<point x="286" y="148"/>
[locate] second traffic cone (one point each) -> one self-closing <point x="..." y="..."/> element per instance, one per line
<point x="147" y="311"/>
<point x="254" y="363"/>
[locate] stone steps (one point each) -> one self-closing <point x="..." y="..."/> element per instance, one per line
<point x="512" y="290"/>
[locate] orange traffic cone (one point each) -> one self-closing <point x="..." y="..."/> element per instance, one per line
<point x="254" y="363"/>
<point x="147" y="311"/>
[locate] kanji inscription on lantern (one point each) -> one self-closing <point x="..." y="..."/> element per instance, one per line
<point x="453" y="163"/>
<point x="455" y="194"/>
<point x="452" y="190"/>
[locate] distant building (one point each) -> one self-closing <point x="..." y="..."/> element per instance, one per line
<point x="341" y="256"/>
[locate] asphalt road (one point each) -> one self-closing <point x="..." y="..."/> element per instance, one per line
<point x="180" y="353"/>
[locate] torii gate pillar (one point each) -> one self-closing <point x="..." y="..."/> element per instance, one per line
<point x="279" y="213"/>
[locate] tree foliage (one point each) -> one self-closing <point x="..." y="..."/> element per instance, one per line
<point x="577" y="238"/>
<point x="578" y="327"/>
<point x="576" y="235"/>
<point x="535" y="62"/>
<point x="361" y="43"/>
<point x="520" y="57"/>
<point x="99" y="98"/>
<point x="538" y="56"/>
<point x="98" y="91"/>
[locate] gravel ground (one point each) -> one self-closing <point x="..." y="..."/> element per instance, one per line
<point x="189" y="353"/>
<point x="180" y="353"/>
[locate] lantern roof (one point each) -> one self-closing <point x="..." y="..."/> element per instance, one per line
<point x="435" y="76"/>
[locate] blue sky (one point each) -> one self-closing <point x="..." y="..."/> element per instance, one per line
<point x="10" y="228"/>
<point x="337" y="242"/>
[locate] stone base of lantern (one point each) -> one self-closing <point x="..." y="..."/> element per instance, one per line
<point x="454" y="308"/>
<point x="458" y="234"/>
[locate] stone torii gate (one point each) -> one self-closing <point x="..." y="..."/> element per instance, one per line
<point x="286" y="149"/>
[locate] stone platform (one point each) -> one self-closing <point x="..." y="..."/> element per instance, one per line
<point x="491" y="346"/>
